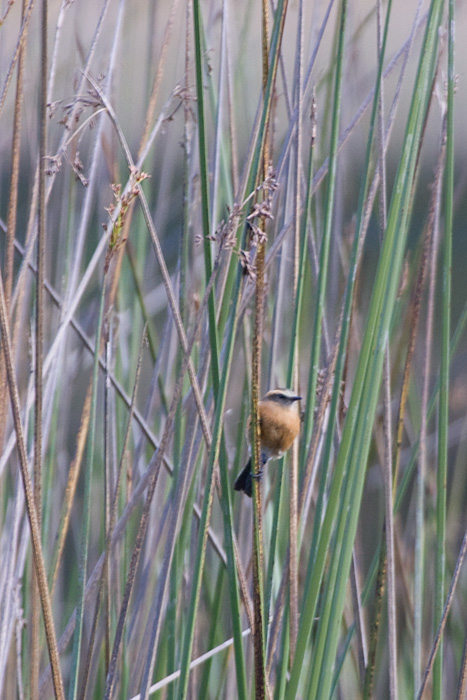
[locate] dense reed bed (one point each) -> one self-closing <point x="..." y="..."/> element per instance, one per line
<point x="200" y="202"/>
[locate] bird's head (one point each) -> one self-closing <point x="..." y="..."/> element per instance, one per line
<point x="284" y="397"/>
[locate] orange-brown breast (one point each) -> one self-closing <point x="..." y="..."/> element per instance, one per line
<point x="279" y="427"/>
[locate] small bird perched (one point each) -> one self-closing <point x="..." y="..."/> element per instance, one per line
<point x="279" y="423"/>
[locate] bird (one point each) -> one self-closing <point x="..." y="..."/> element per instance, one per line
<point x="279" y="423"/>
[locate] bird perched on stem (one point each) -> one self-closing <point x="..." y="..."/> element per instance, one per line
<point x="279" y="423"/>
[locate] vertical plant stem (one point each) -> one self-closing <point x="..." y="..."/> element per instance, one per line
<point x="387" y="421"/>
<point x="12" y="211"/>
<point x="42" y="223"/>
<point x="258" y="600"/>
<point x="293" y="358"/>
<point x="327" y="230"/>
<point x="256" y="463"/>
<point x="445" y="362"/>
<point x="419" y="572"/>
<point x="171" y="615"/>
<point x="86" y="518"/>
<point x="30" y="507"/>
<point x="204" y="171"/>
<point x="107" y="482"/>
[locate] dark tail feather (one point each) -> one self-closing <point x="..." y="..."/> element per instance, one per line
<point x="243" y="481"/>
